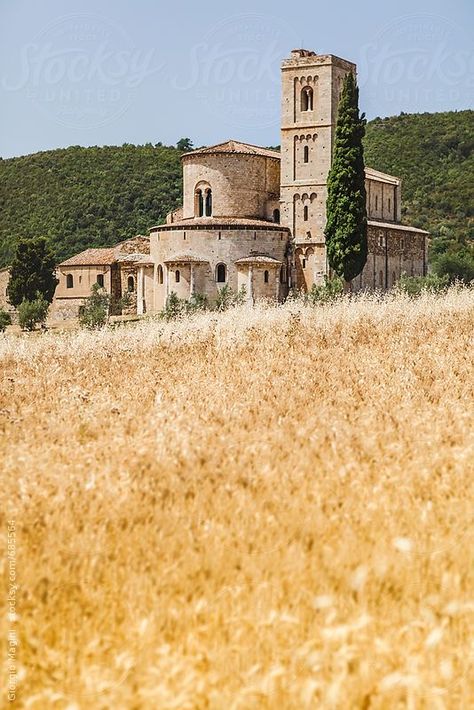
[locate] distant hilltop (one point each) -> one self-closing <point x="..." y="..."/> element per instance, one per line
<point x="91" y="197"/>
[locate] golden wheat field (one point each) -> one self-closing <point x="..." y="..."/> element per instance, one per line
<point x="266" y="508"/>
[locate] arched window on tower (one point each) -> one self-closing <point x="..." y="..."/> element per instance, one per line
<point x="198" y="204"/>
<point x="159" y="274"/>
<point x="307" y="99"/>
<point x="305" y="213"/>
<point x="209" y="202"/>
<point x="221" y="273"/>
<point x="306" y="154"/>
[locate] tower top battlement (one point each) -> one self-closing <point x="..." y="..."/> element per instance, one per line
<point x="306" y="57"/>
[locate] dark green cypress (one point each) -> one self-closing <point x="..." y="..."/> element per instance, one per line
<point x="346" y="226"/>
<point x="32" y="272"/>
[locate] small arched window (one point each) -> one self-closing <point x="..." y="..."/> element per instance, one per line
<point x="159" y="274"/>
<point x="305" y="213"/>
<point x="177" y="276"/>
<point x="266" y="276"/>
<point x="69" y="281"/>
<point x="100" y="280"/>
<point x="130" y="284"/>
<point x="306" y="154"/>
<point x="276" y="216"/>
<point x="209" y="203"/>
<point x="198" y="203"/>
<point x="221" y="273"/>
<point x="307" y="99"/>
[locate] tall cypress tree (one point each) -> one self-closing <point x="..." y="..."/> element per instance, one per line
<point x="32" y="272"/>
<point x="346" y="227"/>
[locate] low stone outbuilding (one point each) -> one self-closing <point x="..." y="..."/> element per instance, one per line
<point x="119" y="270"/>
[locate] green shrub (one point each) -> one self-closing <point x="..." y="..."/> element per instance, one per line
<point x="330" y="291"/>
<point x="456" y="267"/>
<point x="416" y="285"/>
<point x="30" y="313"/>
<point x="5" y="319"/>
<point x="197" y="302"/>
<point x="227" y="298"/>
<point x="176" y="306"/>
<point x="94" y="312"/>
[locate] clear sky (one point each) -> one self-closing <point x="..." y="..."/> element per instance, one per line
<point x="106" y="72"/>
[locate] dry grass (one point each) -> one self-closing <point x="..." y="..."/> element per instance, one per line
<point x="263" y="509"/>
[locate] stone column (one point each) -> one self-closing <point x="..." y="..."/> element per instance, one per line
<point x="166" y="277"/>
<point x="277" y="279"/>
<point x="140" y="291"/>
<point x="191" y="281"/>
<point x="250" y="283"/>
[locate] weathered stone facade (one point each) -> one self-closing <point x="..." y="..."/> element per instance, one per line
<point x="254" y="218"/>
<point x="110" y="267"/>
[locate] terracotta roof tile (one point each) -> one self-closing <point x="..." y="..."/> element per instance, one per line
<point x="258" y="259"/>
<point x="235" y="147"/>
<point x="92" y="257"/>
<point x="395" y="225"/>
<point x="185" y="259"/>
<point x="220" y="222"/>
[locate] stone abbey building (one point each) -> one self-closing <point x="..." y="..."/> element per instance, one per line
<point x="255" y="217"/>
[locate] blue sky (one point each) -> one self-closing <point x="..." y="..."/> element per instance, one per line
<point x="106" y="72"/>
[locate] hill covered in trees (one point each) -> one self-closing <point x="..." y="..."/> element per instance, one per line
<point x="84" y="197"/>
<point x="433" y="154"/>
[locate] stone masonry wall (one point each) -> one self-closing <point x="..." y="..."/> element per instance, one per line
<point x="245" y="186"/>
<point x="214" y="246"/>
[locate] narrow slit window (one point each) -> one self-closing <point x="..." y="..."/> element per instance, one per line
<point x="221" y="273"/>
<point x="209" y="203"/>
<point x="307" y="99"/>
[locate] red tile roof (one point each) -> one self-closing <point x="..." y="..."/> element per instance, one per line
<point x="258" y="259"/>
<point x="235" y="147"/>
<point x="395" y="225"/>
<point x="221" y="223"/>
<point x="92" y="257"/>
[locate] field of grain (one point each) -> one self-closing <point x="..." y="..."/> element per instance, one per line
<point x="267" y="508"/>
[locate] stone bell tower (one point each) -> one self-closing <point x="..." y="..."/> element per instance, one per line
<point x="311" y="86"/>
